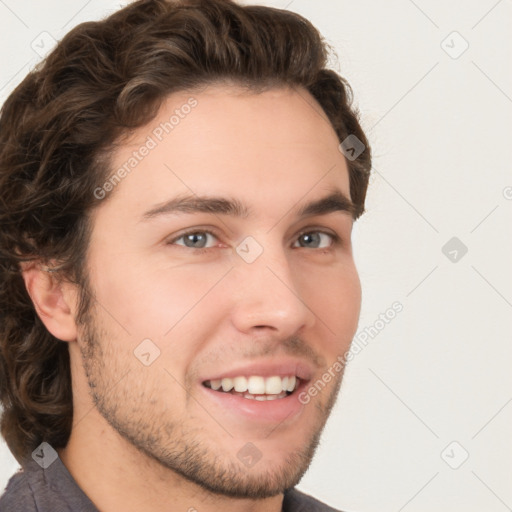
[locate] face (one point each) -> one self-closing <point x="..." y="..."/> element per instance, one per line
<point x="216" y="261"/>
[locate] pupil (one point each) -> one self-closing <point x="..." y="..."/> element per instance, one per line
<point x="311" y="236"/>
<point x="194" y="237"/>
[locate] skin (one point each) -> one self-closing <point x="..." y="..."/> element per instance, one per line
<point x="143" y="437"/>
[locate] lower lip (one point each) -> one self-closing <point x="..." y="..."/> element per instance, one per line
<point x="270" y="411"/>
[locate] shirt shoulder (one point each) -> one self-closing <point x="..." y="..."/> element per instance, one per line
<point x="297" y="501"/>
<point x="18" y="496"/>
<point x="49" y="489"/>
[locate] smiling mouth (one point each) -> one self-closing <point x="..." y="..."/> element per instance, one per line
<point x="256" y="387"/>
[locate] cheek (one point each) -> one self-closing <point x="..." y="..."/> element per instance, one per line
<point x="334" y="295"/>
<point x="152" y="301"/>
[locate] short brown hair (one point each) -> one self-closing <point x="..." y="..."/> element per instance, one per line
<point x="59" y="126"/>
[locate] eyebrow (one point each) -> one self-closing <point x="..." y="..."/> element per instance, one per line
<point x="336" y="201"/>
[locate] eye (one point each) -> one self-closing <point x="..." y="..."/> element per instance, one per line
<point x="194" y="239"/>
<point x="313" y="239"/>
<point x="198" y="239"/>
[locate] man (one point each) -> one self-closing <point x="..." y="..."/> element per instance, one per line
<point x="178" y="187"/>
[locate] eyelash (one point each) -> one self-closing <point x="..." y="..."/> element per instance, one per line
<point x="336" y="239"/>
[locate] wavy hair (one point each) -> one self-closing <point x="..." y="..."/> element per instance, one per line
<point x="59" y="126"/>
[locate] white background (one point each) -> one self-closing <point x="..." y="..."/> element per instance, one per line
<point x="440" y="129"/>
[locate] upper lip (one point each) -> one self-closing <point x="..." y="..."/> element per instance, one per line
<point x="280" y="367"/>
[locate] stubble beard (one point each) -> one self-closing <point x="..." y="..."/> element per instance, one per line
<point x="179" y="447"/>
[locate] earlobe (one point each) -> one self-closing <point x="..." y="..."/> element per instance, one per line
<point x="52" y="301"/>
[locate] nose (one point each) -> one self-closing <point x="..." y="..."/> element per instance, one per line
<point x="267" y="297"/>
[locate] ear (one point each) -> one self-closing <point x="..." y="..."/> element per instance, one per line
<point x="54" y="300"/>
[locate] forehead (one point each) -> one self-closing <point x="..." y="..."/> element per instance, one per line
<point x="259" y="147"/>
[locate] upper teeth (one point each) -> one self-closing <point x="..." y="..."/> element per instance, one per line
<point x="256" y="384"/>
